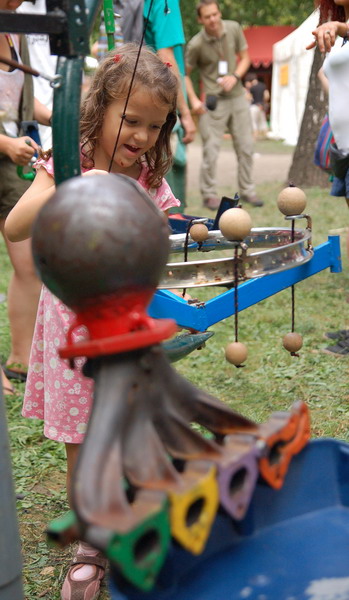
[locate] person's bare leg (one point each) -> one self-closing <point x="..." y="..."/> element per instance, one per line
<point x="22" y="299"/>
<point x="72" y="451"/>
<point x="85" y="571"/>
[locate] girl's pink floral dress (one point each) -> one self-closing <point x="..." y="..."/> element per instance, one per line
<point x="62" y="397"/>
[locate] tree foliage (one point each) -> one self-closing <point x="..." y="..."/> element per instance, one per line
<point x="247" y="13"/>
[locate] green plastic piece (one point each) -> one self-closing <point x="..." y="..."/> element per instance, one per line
<point x="139" y="554"/>
<point x="62" y="525"/>
<point x="27" y="176"/>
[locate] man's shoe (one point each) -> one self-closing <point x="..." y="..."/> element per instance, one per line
<point x="212" y="203"/>
<point x="340" y="349"/>
<point x="340" y="335"/>
<point x="253" y="200"/>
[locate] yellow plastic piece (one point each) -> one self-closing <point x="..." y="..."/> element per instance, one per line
<point x="193" y="511"/>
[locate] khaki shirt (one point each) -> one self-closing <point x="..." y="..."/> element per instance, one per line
<point x="204" y="53"/>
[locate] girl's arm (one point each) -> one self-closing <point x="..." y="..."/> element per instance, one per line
<point x="18" y="225"/>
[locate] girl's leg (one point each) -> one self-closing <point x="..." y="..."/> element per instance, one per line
<point x="83" y="579"/>
<point x="22" y="298"/>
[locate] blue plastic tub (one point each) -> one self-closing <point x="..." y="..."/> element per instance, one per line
<point x="292" y="545"/>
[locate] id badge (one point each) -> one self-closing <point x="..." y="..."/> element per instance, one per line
<point x="222" y="68"/>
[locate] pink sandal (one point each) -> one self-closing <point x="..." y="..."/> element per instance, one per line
<point x="86" y="589"/>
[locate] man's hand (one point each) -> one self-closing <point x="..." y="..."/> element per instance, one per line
<point x="227" y="82"/>
<point x="20" y="150"/>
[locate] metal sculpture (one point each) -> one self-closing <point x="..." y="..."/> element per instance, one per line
<point x="144" y="474"/>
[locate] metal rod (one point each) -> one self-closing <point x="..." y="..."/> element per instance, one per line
<point x="26" y="69"/>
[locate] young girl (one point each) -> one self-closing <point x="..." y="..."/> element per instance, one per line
<point x="60" y="396"/>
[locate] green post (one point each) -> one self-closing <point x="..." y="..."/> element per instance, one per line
<point x="66" y="119"/>
<point x="109" y="21"/>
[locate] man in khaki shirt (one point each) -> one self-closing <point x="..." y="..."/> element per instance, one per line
<point x="219" y="52"/>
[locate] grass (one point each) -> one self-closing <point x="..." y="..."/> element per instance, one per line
<point x="271" y="380"/>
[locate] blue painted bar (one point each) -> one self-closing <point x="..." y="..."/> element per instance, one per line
<point x="165" y="304"/>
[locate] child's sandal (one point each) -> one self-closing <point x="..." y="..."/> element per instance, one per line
<point x="86" y="589"/>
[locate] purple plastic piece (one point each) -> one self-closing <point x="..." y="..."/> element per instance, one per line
<point x="237" y="480"/>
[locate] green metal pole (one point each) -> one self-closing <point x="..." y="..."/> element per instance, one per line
<point x="66" y="119"/>
<point x="66" y="102"/>
<point x="109" y="21"/>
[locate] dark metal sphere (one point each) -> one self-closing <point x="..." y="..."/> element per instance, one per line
<point x="99" y="234"/>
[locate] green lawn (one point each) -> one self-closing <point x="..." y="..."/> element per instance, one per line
<point x="271" y="380"/>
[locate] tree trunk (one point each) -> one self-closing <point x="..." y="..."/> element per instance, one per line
<point x="303" y="172"/>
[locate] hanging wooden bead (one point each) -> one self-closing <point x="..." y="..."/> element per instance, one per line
<point x="291" y="201"/>
<point x="235" y="224"/>
<point x="198" y="232"/>
<point x="236" y="353"/>
<point x="292" y="342"/>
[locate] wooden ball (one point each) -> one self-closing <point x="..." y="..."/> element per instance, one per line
<point x="236" y="353"/>
<point x="292" y="341"/>
<point x="291" y="201"/>
<point x="235" y="224"/>
<point x="198" y="232"/>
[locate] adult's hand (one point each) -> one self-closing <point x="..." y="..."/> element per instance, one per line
<point x="20" y="150"/>
<point x="189" y="128"/>
<point x="325" y="35"/>
<point x="198" y="107"/>
<point x="227" y="82"/>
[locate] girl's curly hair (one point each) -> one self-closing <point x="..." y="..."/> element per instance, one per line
<point x="329" y="11"/>
<point x="111" y="82"/>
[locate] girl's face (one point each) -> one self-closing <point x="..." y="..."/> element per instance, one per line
<point x="140" y="130"/>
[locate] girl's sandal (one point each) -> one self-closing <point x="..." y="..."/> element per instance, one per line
<point x="86" y="589"/>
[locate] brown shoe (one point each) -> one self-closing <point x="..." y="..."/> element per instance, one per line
<point x="253" y="200"/>
<point x="86" y="589"/>
<point x="212" y="203"/>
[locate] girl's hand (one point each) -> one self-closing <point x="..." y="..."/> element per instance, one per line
<point x="325" y="35"/>
<point x="20" y="150"/>
<point x="95" y="172"/>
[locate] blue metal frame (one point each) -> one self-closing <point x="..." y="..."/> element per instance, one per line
<point x="165" y="304"/>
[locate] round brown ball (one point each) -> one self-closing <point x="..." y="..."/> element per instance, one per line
<point x="198" y="232"/>
<point x="235" y="224"/>
<point x="236" y="353"/>
<point x="292" y="341"/>
<point x="291" y="201"/>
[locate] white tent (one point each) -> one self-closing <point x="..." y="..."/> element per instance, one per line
<point x="291" y="70"/>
